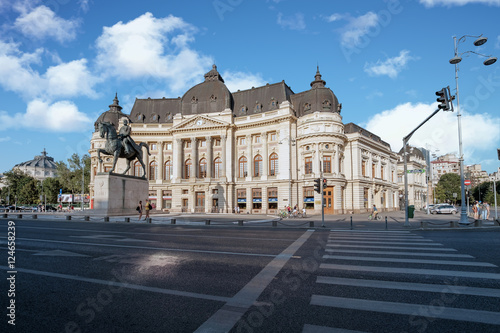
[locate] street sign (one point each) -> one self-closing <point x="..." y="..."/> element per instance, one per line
<point x="467" y="182"/>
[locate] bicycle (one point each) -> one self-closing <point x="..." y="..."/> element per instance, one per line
<point x="377" y="217"/>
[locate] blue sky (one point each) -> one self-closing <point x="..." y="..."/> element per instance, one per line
<point x="62" y="61"/>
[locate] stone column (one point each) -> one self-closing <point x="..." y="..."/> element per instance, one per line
<point x="336" y="169"/>
<point x="146" y="160"/>
<point x="265" y="158"/>
<point x="194" y="160"/>
<point x="249" y="157"/>
<point x="177" y="165"/>
<point x="159" y="199"/>
<point x="161" y="168"/>
<point x="209" y="157"/>
<point x="224" y="156"/>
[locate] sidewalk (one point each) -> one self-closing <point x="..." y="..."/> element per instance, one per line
<point x="389" y="220"/>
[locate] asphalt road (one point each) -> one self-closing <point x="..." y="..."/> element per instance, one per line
<point x="72" y="276"/>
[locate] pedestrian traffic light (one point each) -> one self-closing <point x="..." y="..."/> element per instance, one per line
<point x="324" y="183"/>
<point x="444" y="99"/>
<point x="317" y="185"/>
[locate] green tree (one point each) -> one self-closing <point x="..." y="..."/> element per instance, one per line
<point x="18" y="186"/>
<point x="51" y="187"/>
<point x="70" y="175"/>
<point x="448" y="184"/>
<point x="29" y="192"/>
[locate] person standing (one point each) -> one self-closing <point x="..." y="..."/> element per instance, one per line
<point x="139" y="209"/>
<point x="486" y="210"/>
<point x="474" y="209"/>
<point x="148" y="208"/>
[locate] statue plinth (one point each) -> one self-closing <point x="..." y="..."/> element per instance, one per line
<point x="116" y="194"/>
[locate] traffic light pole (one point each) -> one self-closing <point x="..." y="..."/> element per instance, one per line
<point x="405" y="143"/>
<point x="322" y="196"/>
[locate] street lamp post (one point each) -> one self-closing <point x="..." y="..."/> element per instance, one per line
<point x="455" y="61"/>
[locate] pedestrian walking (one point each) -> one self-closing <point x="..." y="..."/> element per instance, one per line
<point x="475" y="210"/>
<point x="139" y="209"/>
<point x="147" y="208"/>
<point x="485" y="210"/>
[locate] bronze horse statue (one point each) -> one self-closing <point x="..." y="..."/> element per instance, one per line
<point x="114" y="146"/>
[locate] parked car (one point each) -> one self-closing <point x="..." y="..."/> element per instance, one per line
<point x="49" y="208"/>
<point x="444" y="209"/>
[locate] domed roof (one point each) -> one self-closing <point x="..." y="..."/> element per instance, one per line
<point x="40" y="161"/>
<point x="113" y="115"/>
<point x="318" y="98"/>
<point x="206" y="97"/>
<point x="412" y="151"/>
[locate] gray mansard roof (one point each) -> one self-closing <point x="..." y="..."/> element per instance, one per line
<point x="212" y="95"/>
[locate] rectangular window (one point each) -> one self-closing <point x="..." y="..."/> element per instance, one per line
<point x="188" y="144"/>
<point x="373" y="170"/>
<point x="153" y="146"/>
<point x="215" y="191"/>
<point x="273" y="136"/>
<point x="217" y="142"/>
<point x="308" y="165"/>
<point x="308" y="192"/>
<point x="365" y="197"/>
<point x="203" y="143"/>
<point x="242" y="141"/>
<point x="241" y="193"/>
<point x="327" y="164"/>
<point x="382" y="169"/>
<point x="257" y="139"/>
<point x="169" y="146"/>
<point x="363" y="168"/>
<point x="257" y="198"/>
<point x="185" y="191"/>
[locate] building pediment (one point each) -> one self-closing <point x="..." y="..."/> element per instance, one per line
<point x="199" y="123"/>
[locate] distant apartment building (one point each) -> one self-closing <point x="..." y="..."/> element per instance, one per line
<point x="448" y="163"/>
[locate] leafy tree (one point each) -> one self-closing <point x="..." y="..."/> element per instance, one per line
<point x="70" y="175"/>
<point x="448" y="184"/>
<point x="29" y="192"/>
<point x="18" y="186"/>
<point x="51" y="188"/>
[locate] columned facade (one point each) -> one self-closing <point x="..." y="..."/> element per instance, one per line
<point x="256" y="151"/>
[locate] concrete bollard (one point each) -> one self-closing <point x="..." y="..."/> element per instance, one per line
<point x="275" y="223"/>
<point x="478" y="223"/>
<point x="5" y="215"/>
<point x="127" y="219"/>
<point x="35" y="216"/>
<point x="351" y="223"/>
<point x="240" y="223"/>
<point x="106" y="218"/>
<point x="207" y="222"/>
<point x="68" y="217"/>
<point x="311" y="224"/>
<point x="19" y="216"/>
<point x="86" y="218"/>
<point x="172" y="221"/>
<point x="386" y="223"/>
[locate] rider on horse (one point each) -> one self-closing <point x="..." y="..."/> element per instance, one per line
<point x="127" y="141"/>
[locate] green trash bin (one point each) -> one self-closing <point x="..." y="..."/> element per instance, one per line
<point x="411" y="211"/>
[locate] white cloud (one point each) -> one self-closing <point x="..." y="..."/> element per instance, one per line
<point x="333" y="17"/>
<point x="84" y="5"/>
<point x="295" y="22"/>
<point x="142" y="48"/>
<point x="240" y="81"/>
<point x="449" y="3"/>
<point x="357" y="28"/>
<point x="42" y="22"/>
<point x="439" y="132"/>
<point x="391" y="66"/>
<point x="62" y="116"/>
<point x="70" y="79"/>
<point x="62" y="80"/>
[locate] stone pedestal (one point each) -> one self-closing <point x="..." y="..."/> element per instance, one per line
<point x="116" y="194"/>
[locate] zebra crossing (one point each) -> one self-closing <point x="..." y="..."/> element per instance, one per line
<point x="379" y="281"/>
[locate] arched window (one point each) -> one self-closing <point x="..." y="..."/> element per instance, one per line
<point x="273" y="164"/>
<point x="202" y="168"/>
<point x="217" y="167"/>
<point x="187" y="169"/>
<point x="137" y="169"/>
<point x="153" y="170"/>
<point x="257" y="166"/>
<point x="167" y="174"/>
<point x="243" y="167"/>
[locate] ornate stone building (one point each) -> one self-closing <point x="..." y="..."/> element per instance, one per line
<point x="416" y="166"/>
<point x="259" y="149"/>
<point x="41" y="167"/>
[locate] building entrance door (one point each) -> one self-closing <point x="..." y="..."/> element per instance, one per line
<point x="200" y="202"/>
<point x="215" y="205"/>
<point x="328" y="197"/>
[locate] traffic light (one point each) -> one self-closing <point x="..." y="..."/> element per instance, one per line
<point x="444" y="99"/>
<point x="317" y="185"/>
<point x="324" y="183"/>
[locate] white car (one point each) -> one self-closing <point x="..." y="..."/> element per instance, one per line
<point x="444" y="209"/>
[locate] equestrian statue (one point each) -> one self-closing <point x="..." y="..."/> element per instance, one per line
<point x="120" y="145"/>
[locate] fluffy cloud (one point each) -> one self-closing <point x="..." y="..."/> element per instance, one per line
<point x="440" y="132"/>
<point x="62" y="116"/>
<point x="357" y="28"/>
<point x="432" y="3"/>
<point x="149" y="47"/>
<point x="62" y="80"/>
<point x="240" y="81"/>
<point x="295" y="22"/>
<point x="391" y="66"/>
<point x="333" y="17"/>
<point x="41" y="22"/>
